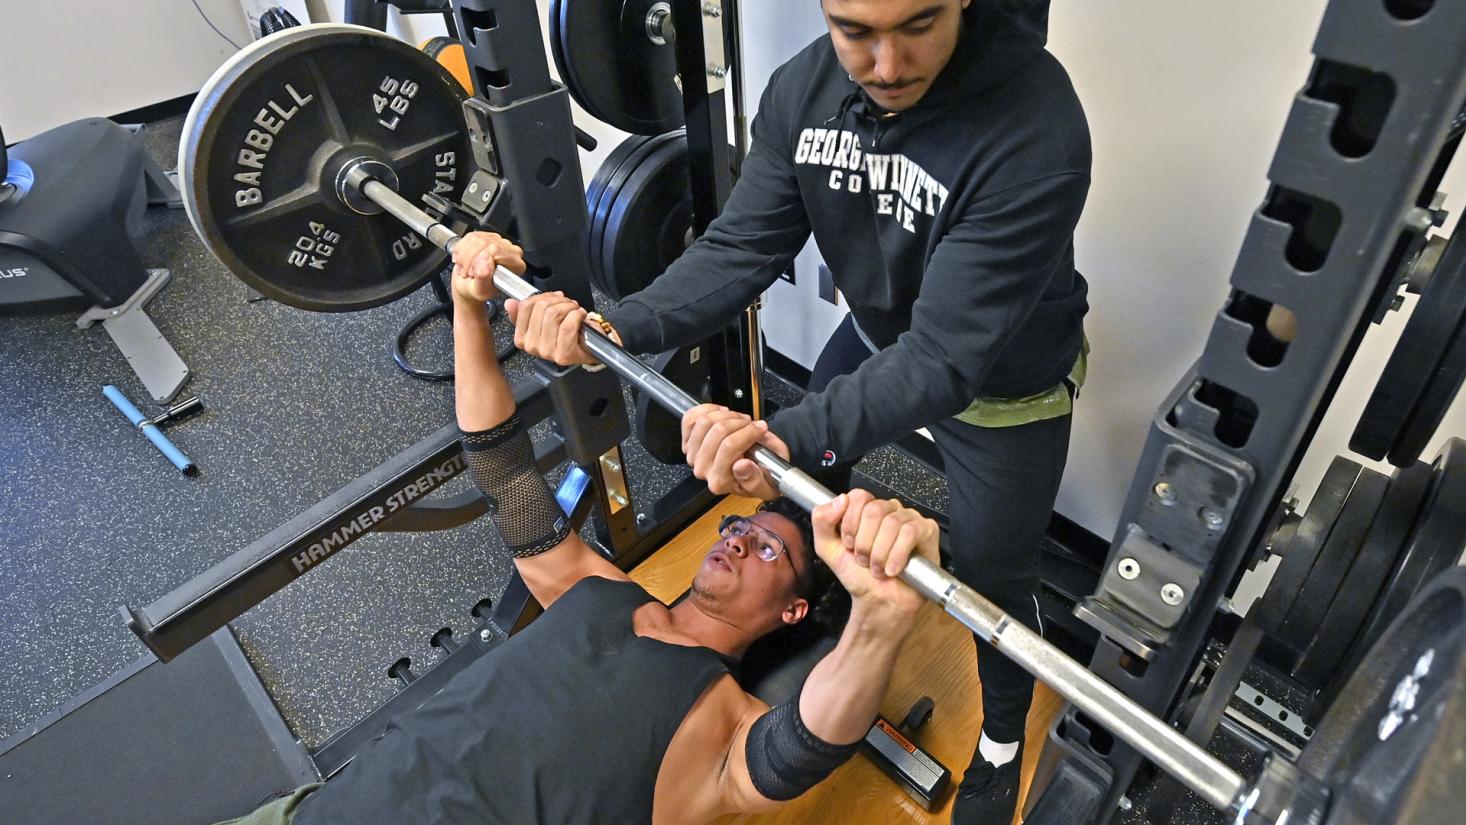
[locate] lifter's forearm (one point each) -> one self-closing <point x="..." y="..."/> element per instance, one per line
<point x="482" y="394"/>
<point x="498" y="451"/>
<point x="843" y="693"/>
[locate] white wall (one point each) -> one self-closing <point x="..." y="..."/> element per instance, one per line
<point x="63" y="61"/>
<point x="1185" y="107"/>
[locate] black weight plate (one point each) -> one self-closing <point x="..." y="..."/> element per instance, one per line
<point x="595" y="191"/>
<point x="1339" y="550"/>
<point x="601" y="207"/>
<point x="1439" y="536"/>
<point x="1422" y="344"/>
<point x="608" y="169"/>
<point x="1391" y="748"/>
<point x="1320" y="663"/>
<point x="657" y="429"/>
<point x="1435" y="543"/>
<point x="649" y="222"/>
<point x="600" y="214"/>
<point x="612" y="67"/>
<point x="1430" y="410"/>
<point x="1301" y="553"/>
<point x="601" y="211"/>
<point x="270" y="131"/>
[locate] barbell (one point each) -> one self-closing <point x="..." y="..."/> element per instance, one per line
<point x="339" y="129"/>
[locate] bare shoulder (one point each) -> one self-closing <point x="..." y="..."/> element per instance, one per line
<point x="692" y="784"/>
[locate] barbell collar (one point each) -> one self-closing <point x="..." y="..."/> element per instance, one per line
<point x="1162" y="744"/>
<point x="351" y="177"/>
<point x="659" y="26"/>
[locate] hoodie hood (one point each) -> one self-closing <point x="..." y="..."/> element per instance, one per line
<point x="998" y="38"/>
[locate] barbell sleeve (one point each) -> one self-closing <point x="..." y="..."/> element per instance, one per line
<point x="1162" y="744"/>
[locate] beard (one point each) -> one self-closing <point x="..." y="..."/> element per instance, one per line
<point x="713" y="588"/>
<point x="702" y="592"/>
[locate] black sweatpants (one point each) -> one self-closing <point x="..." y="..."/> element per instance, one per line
<point x="1002" y="482"/>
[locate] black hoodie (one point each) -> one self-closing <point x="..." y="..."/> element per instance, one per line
<point x="948" y="227"/>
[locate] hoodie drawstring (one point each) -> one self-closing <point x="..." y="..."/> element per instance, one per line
<point x="845" y="105"/>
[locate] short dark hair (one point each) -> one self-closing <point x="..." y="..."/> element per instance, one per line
<point x="829" y="604"/>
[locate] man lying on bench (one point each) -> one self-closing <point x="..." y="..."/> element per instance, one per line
<point x="610" y="707"/>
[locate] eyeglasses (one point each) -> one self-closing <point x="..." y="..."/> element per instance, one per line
<point x="768" y="545"/>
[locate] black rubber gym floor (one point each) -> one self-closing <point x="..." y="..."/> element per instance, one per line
<point x="296" y="405"/>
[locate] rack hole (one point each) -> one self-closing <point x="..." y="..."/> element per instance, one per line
<point x="1236" y="412"/>
<point x="1408" y="9"/>
<point x="475" y="21"/>
<point x="1273" y="327"/>
<point x="1315" y="223"/>
<point x="491" y="79"/>
<point x="548" y="172"/>
<point x="1364" y="99"/>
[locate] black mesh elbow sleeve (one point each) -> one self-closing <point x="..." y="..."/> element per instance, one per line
<point x="501" y="462"/>
<point x="785" y="759"/>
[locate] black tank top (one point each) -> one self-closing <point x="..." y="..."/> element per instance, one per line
<point x="565" y="723"/>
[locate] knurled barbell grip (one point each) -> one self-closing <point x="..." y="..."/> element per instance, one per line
<point x="1165" y="746"/>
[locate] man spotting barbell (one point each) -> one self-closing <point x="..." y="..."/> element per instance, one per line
<point x="940" y="158"/>
<point x="611" y="707"/>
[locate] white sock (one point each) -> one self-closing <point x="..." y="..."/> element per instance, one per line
<point x="998" y="753"/>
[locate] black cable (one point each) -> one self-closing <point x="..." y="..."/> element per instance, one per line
<point x="211" y="24"/>
<point x="399" y="346"/>
<point x="6" y="188"/>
